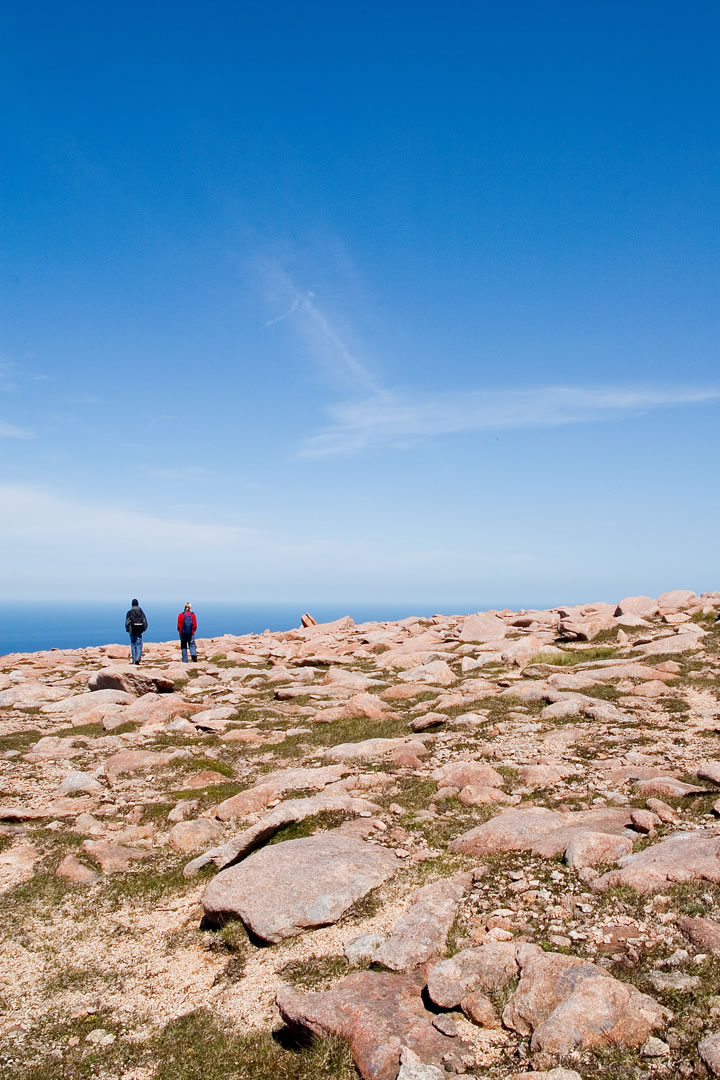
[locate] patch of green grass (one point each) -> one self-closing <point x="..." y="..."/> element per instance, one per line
<point x="197" y="1046"/>
<point x="675" y="704"/>
<point x="197" y="764"/>
<point x="704" y="619"/>
<point x="19" y="740"/>
<point x="330" y="819"/>
<point x="355" y="729"/>
<point x="90" y="730"/>
<point x="209" y="796"/>
<point x="603" y="691"/>
<point x="563" y="659"/>
<point x="78" y="979"/>
<point x="315" y="972"/>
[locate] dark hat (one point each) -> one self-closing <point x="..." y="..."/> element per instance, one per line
<point x="135" y="603"/>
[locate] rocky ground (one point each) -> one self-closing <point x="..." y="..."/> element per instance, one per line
<point x="483" y="845"/>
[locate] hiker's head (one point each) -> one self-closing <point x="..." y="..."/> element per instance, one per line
<point x="135" y="603"/>
<point x="188" y="606"/>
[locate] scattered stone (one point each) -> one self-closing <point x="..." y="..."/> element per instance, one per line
<point x="675" y="980"/>
<point x="76" y="783"/>
<point x="654" y="1048"/>
<point x="130" y="761"/>
<point x="362" y="949"/>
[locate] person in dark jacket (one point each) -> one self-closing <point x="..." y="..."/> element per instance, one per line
<point x="187" y="625"/>
<point x="136" y="624"/>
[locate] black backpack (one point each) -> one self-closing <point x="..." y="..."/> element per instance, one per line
<point x="137" y="621"/>
<point x="187" y="624"/>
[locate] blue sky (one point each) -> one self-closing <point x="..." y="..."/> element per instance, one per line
<point x="311" y="304"/>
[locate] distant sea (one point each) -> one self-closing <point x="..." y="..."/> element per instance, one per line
<point x="30" y="627"/>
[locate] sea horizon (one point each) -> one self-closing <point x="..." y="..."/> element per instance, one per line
<point x="35" y="627"/>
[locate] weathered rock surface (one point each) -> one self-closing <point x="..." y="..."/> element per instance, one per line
<point x="487" y="967"/>
<point x="709" y="1051"/>
<point x="275" y="784"/>
<point x="287" y="813"/>
<point x="113" y="858"/>
<point x="703" y="933"/>
<point x="545" y="832"/>
<point x="298" y="884"/>
<point x="422" y="933"/>
<point x="191" y="835"/>
<point x="566" y="1003"/>
<point x="378" y="1014"/>
<point x="130" y="761"/>
<point x="685" y="856"/>
<point x="131" y="681"/>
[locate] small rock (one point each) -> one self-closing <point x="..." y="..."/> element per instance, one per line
<point x="446" y="1025"/>
<point x="72" y="869"/>
<point x="361" y="949"/>
<point x="480" y="1010"/>
<point x="644" y="821"/>
<point x="654" y="1048"/>
<point x="709" y="1051"/>
<point x="675" y="980"/>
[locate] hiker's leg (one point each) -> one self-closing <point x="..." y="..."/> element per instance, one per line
<point x="193" y="648"/>
<point x="183" y="648"/>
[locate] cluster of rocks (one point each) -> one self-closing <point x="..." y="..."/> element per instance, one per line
<point x="503" y="827"/>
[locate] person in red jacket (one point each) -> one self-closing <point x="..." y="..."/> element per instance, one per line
<point x="187" y="625"/>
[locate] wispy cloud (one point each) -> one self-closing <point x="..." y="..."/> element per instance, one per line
<point x="393" y="418"/>
<point x="12" y="431"/>
<point x="325" y="341"/>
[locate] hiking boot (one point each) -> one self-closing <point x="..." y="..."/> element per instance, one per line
<point x="194" y="659"/>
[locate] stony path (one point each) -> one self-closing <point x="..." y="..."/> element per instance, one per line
<point x="483" y="845"/>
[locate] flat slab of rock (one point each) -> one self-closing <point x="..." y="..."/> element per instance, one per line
<point x="710" y="771"/>
<point x="113" y="858"/>
<point x="486" y="967"/>
<point x="460" y="774"/>
<point x="73" y="870"/>
<point x="368" y="749"/>
<point x="287" y="813"/>
<point x="544" y="832"/>
<point x="483" y="627"/>
<point x="709" y="1051"/>
<point x="129" y="761"/>
<point x="566" y="1004"/>
<point x="422" y="933"/>
<point x="669" y="786"/>
<point x="273" y="785"/>
<point x="82" y="703"/>
<point x="192" y="835"/>
<point x="297" y="885"/>
<point x="685" y="856"/>
<point x="131" y="681"/>
<point x="378" y="1014"/>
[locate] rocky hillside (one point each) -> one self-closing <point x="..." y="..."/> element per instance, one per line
<point x="483" y="845"/>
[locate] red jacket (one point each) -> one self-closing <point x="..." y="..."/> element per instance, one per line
<point x="181" y="622"/>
